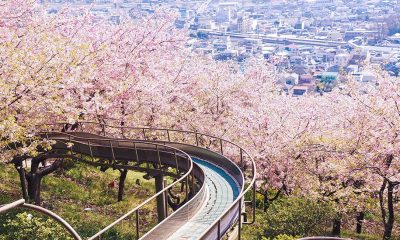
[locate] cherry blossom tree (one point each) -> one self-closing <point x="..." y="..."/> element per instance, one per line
<point x="378" y="122"/>
<point x="341" y="147"/>
<point x="63" y="67"/>
<point x="41" y="60"/>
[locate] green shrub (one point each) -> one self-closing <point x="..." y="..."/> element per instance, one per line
<point x="297" y="217"/>
<point x="281" y="237"/>
<point x="285" y="237"/>
<point x="26" y="226"/>
<point x="291" y="216"/>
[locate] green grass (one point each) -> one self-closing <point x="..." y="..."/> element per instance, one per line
<point x="80" y="186"/>
<point x="8" y="181"/>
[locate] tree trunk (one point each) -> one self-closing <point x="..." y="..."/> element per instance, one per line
<point x="34" y="177"/>
<point x="387" y="235"/>
<point x="336" y="227"/>
<point x="22" y="179"/>
<point x="360" y="219"/>
<point x="266" y="202"/>
<point x="390" y="221"/>
<point x="121" y="184"/>
<point x="34" y="182"/>
<point x="161" y="208"/>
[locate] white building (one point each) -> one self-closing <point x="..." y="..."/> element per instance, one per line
<point x="341" y="59"/>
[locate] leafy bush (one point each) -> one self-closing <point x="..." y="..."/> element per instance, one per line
<point x="280" y="237"/>
<point x="27" y="226"/>
<point x="285" y="237"/>
<point x="297" y="217"/>
<point x="293" y="216"/>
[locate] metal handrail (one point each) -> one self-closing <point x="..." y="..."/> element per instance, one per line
<point x="168" y="132"/>
<point x="239" y="200"/>
<point x="200" y="193"/>
<point x="6" y="207"/>
<point x="21" y="203"/>
<point x="90" y="142"/>
<point x="72" y="138"/>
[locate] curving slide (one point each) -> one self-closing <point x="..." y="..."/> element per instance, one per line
<point x="213" y="176"/>
<point x="222" y="191"/>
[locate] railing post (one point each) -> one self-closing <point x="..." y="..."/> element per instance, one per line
<point x="123" y="132"/>
<point x="103" y="128"/>
<point x="137" y="224"/>
<point x="112" y="152"/>
<point x="187" y="188"/>
<point x="241" y="158"/>
<point x="176" y="162"/>
<point x="169" y="138"/>
<point x="193" y="182"/>
<point x="254" y="201"/>
<point x="165" y="193"/>
<point x="240" y="220"/>
<point x="159" y="157"/>
<point x="220" y="143"/>
<point x="219" y="229"/>
<point x="187" y="180"/>
<point x="90" y="149"/>
<point x="136" y="153"/>
<point x="72" y="151"/>
<point x="144" y="134"/>
<point x="197" y="138"/>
